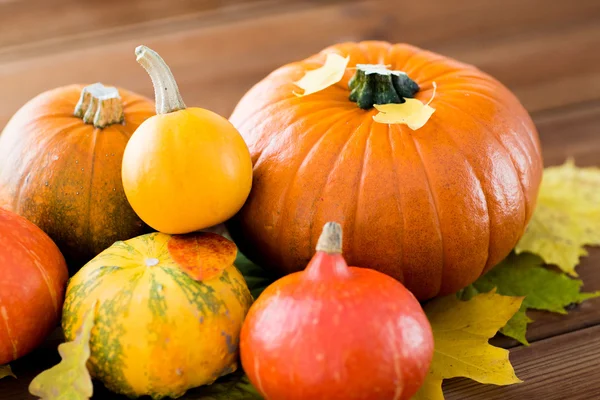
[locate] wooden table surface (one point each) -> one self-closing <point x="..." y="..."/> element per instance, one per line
<point x="546" y="51"/>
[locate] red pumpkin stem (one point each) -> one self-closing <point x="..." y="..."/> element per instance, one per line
<point x="100" y="106"/>
<point x="328" y="261"/>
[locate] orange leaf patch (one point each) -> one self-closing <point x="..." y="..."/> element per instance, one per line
<point x="203" y="255"/>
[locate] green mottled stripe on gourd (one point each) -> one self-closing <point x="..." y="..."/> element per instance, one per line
<point x="240" y="289"/>
<point x="201" y="296"/>
<point x="156" y="301"/>
<point x="108" y="360"/>
<point x="77" y="294"/>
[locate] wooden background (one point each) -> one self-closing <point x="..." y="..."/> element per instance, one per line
<point x="546" y="51"/>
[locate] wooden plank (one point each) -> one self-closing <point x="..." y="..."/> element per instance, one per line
<point x="30" y="28"/>
<point x="216" y="64"/>
<point x="28" y="21"/>
<point x="546" y="70"/>
<point x="38" y="21"/>
<point x="570" y="132"/>
<point x="558" y="368"/>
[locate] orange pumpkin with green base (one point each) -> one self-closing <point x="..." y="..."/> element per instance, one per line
<point x="60" y="166"/>
<point x="434" y="207"/>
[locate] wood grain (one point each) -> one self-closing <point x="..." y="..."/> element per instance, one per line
<point x="571" y="132"/>
<point x="216" y="64"/>
<point x="559" y="368"/>
<point x="31" y="34"/>
<point x="30" y="23"/>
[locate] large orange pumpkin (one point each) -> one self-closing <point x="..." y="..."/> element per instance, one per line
<point x="60" y="166"/>
<point x="33" y="276"/>
<point x="433" y="207"/>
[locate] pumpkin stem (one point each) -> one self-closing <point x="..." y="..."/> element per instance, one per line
<point x="375" y="84"/>
<point x="166" y="91"/>
<point x="328" y="262"/>
<point x="100" y="105"/>
<point x="330" y="240"/>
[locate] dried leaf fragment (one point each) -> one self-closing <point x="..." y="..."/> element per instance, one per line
<point x="69" y="379"/>
<point x="412" y="112"/>
<point x="543" y="288"/>
<point x="256" y="277"/>
<point x="566" y="218"/>
<point x="5" y="371"/>
<point x="461" y="330"/>
<point x="329" y="74"/>
<point x="234" y="386"/>
<point x="203" y="255"/>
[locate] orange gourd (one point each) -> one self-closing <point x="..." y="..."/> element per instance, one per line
<point x="333" y="332"/>
<point x="60" y="166"/>
<point x="433" y="207"/>
<point x="33" y="276"/>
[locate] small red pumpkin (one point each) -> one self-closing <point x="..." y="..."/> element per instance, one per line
<point x="33" y="276"/>
<point x="336" y="332"/>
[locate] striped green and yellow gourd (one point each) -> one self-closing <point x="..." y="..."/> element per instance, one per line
<point x="168" y="314"/>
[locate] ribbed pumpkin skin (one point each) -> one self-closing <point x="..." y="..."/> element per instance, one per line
<point x="65" y="175"/>
<point x="33" y="276"/>
<point x="434" y="208"/>
<point x="157" y="332"/>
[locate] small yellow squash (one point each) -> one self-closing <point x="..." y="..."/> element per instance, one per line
<point x="184" y="169"/>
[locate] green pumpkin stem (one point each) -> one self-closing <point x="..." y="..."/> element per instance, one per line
<point x="100" y="105"/>
<point x="375" y="84"/>
<point x="166" y="93"/>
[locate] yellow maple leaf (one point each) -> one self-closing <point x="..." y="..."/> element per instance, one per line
<point x="566" y="218"/>
<point x="461" y="330"/>
<point x="412" y="112"/>
<point x="6" y="371"/>
<point x="329" y="74"/>
<point x="70" y="379"/>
